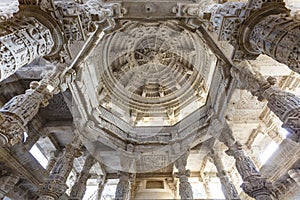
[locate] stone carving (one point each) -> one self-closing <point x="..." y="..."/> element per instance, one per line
<point x="123" y="187"/>
<point x="228" y="187"/>
<point x="295" y="175"/>
<point x="152" y="56"/>
<point x="285" y="105"/>
<point x="185" y="188"/>
<point x="55" y="185"/>
<point x="258" y="27"/>
<point x="79" y="188"/>
<point x="22" y="108"/>
<point x="7" y="183"/>
<point x="25" y="40"/>
<point x="35" y="31"/>
<point x="253" y="184"/>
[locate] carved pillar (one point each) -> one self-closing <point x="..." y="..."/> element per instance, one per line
<point x="46" y="28"/>
<point x="258" y="27"/>
<point x="21" y="41"/>
<point x="185" y="188"/>
<point x="15" y="114"/>
<point x="228" y="187"/>
<point x="52" y="161"/>
<point x="123" y="187"/>
<point x="133" y="186"/>
<point x="55" y="185"/>
<point x="7" y="183"/>
<point x="253" y="184"/>
<point x="285" y="105"/>
<point x="79" y="188"/>
<point x="100" y="189"/>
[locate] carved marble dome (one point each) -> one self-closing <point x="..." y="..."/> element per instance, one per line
<point x="161" y="99"/>
<point x="153" y="74"/>
<point x="146" y="76"/>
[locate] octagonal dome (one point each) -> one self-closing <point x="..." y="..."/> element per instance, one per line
<point x="142" y="95"/>
<point x="153" y="74"/>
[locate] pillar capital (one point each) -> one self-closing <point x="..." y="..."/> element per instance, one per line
<point x="257" y="187"/>
<point x="47" y="28"/>
<point x="257" y="27"/>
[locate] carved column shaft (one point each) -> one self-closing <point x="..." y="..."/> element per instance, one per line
<point x="185" y="188"/>
<point x="21" y="41"/>
<point x="55" y="185"/>
<point x="15" y="114"/>
<point x="100" y="189"/>
<point x="79" y="188"/>
<point x="285" y="105"/>
<point x="7" y="183"/>
<point x="253" y="184"/>
<point x="228" y="187"/>
<point x="123" y="187"/>
<point x="46" y="28"/>
<point x="258" y="27"/>
<point x="278" y="37"/>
